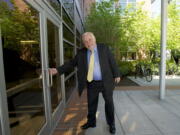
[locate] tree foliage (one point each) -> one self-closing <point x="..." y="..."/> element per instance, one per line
<point x="104" y="22"/>
<point x="133" y="29"/>
<point x="173" y="32"/>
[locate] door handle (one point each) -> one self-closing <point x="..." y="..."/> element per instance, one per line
<point x="51" y="78"/>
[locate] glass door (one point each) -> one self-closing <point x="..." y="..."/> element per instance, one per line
<point x="22" y="63"/>
<point x="54" y="61"/>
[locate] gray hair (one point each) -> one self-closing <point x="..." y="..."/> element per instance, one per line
<point x="89" y="34"/>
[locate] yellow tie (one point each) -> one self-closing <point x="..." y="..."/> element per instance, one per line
<point x="91" y="67"/>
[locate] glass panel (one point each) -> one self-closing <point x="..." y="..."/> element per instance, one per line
<point x="69" y="86"/>
<point x="69" y="5"/>
<point x="22" y="65"/>
<point x="123" y="0"/>
<point x="132" y="0"/>
<point x="78" y="42"/>
<point x="56" y="5"/>
<point x="68" y="55"/>
<point x="123" y="6"/>
<point x="67" y="34"/>
<point x="54" y="61"/>
<point x="78" y="20"/>
<point x="78" y="34"/>
<point x="67" y="20"/>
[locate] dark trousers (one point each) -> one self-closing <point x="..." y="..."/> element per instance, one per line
<point x="93" y="90"/>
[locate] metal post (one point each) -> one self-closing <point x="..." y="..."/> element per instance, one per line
<point x="163" y="48"/>
<point x="4" y="118"/>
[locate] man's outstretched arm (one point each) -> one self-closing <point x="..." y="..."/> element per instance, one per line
<point x="65" y="67"/>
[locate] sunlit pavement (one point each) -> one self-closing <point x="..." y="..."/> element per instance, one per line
<point x="137" y="112"/>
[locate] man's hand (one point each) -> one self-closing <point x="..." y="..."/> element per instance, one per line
<point x="117" y="79"/>
<point x="53" y="71"/>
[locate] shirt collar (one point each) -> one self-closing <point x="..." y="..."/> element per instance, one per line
<point x="95" y="49"/>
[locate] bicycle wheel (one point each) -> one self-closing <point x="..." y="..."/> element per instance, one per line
<point x="148" y="75"/>
<point x="137" y="72"/>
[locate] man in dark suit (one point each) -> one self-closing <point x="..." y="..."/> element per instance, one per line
<point x="97" y="70"/>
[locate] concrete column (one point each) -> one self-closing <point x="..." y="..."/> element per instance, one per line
<point x="162" y="82"/>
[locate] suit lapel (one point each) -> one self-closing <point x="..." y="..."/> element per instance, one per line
<point x="100" y="54"/>
<point x="85" y="59"/>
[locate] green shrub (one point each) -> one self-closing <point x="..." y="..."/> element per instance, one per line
<point x="126" y="67"/>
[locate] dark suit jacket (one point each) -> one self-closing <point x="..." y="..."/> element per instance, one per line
<point x="108" y="66"/>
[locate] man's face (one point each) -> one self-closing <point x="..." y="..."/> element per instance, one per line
<point x="89" y="42"/>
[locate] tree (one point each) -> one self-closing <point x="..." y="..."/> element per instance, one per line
<point x="173" y="32"/>
<point x="135" y="31"/>
<point x="104" y="22"/>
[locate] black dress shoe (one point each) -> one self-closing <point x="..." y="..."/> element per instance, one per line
<point x="112" y="129"/>
<point x="88" y="125"/>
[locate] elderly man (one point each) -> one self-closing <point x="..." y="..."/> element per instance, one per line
<point x="97" y="70"/>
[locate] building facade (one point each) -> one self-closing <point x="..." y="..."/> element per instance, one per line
<point x="34" y="36"/>
<point x="87" y="6"/>
<point x="146" y="4"/>
<point x="156" y="6"/>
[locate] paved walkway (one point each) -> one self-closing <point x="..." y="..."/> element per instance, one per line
<point x="170" y="81"/>
<point x="137" y="112"/>
<point x="74" y="116"/>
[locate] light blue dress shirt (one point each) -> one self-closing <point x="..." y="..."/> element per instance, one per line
<point x="97" y="69"/>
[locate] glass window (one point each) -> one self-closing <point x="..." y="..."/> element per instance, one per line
<point x="54" y="61"/>
<point x="123" y="6"/>
<point x="56" y="5"/>
<point x="22" y="65"/>
<point x="78" y="34"/>
<point x="78" y="20"/>
<point x="67" y="34"/>
<point x="70" y="84"/>
<point x="69" y="5"/>
<point x="131" y="0"/>
<point x="67" y="20"/>
<point x="68" y="55"/>
<point x="78" y="42"/>
<point x="123" y="0"/>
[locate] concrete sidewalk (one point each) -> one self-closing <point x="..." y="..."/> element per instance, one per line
<point x="170" y="81"/>
<point x="137" y="112"/>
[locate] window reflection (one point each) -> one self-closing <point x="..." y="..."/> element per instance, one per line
<point x="78" y="42"/>
<point x="54" y="61"/>
<point x="70" y="84"/>
<point x="69" y="5"/>
<point x="132" y="0"/>
<point x="67" y="20"/>
<point x="56" y="5"/>
<point x="68" y="55"/>
<point x="22" y="65"/>
<point x="78" y="20"/>
<point x="78" y="34"/>
<point x="123" y="6"/>
<point x="68" y="35"/>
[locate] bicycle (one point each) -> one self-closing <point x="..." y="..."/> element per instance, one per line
<point x="144" y="71"/>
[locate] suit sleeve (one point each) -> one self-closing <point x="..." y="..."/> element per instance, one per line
<point x="68" y="65"/>
<point x="113" y="65"/>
